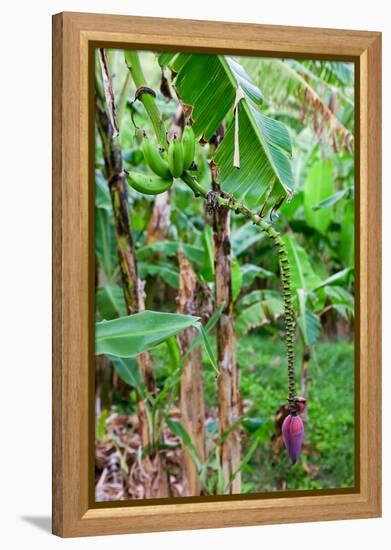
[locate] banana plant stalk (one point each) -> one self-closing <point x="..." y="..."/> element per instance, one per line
<point x="133" y="294"/>
<point x="191" y="386"/>
<point x="221" y="203"/>
<point x="228" y="380"/>
<point x="133" y="62"/>
<point x="221" y="199"/>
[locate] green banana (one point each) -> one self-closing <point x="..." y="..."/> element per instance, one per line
<point x="149" y="185"/>
<point x="175" y="157"/>
<point x="156" y="163"/>
<point x="188" y="141"/>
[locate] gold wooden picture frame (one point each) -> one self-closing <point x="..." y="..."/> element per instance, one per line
<point x="75" y="37"/>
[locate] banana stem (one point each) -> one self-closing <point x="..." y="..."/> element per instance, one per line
<point x="239" y="208"/>
<point x="134" y="66"/>
<point x="197" y="189"/>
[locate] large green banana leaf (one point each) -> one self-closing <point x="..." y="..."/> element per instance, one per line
<point x="304" y="281"/>
<point x="303" y="276"/>
<point x="210" y="84"/>
<point x="318" y="186"/>
<point x="134" y="334"/>
<point x="128" y="371"/>
<point x="346" y="245"/>
<point x="265" y="174"/>
<point x="258" y="308"/>
<point x="109" y="302"/>
<point x="244" y="237"/>
<point x="307" y="321"/>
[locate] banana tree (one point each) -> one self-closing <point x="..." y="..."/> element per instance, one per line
<point x="211" y="134"/>
<point x="251" y="170"/>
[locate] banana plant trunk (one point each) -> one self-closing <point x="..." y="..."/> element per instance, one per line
<point x="157" y="231"/>
<point x="191" y="386"/>
<point x="160" y="219"/>
<point x="152" y="473"/>
<point x="132" y="287"/>
<point x="228" y="380"/>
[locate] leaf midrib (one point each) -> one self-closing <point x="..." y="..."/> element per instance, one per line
<point x="251" y="119"/>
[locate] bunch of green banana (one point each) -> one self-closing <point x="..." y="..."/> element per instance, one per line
<point x="180" y="156"/>
<point x="175" y="157"/>
<point x="188" y="142"/>
<point x="154" y="160"/>
<point x="149" y="185"/>
<point x="181" y="152"/>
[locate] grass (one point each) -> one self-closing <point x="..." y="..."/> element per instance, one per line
<point x="328" y="458"/>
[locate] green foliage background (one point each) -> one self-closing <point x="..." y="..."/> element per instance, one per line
<point x="315" y="100"/>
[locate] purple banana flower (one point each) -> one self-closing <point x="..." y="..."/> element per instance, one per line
<point x="293" y="434"/>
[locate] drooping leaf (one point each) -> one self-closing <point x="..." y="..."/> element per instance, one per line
<point x="308" y="322"/>
<point x="258" y="314"/>
<point x="236" y="275"/>
<point x="170" y="248"/>
<point x="200" y="338"/>
<point x="175" y="377"/>
<point x="134" y="334"/>
<point x="105" y="246"/>
<point x="303" y="276"/>
<point x="318" y="186"/>
<point x="207" y="346"/>
<point x="110" y="302"/>
<point x="102" y="194"/>
<point x="250" y="272"/>
<point x="265" y="174"/>
<point x="179" y="430"/>
<point x="252" y="424"/>
<point x="173" y="350"/>
<point x="339" y="278"/>
<point x="127" y="369"/>
<point x="245" y="236"/>
<point x="332" y="199"/>
<point x="346" y="247"/>
<point x="209" y="84"/>
<point x="273" y="308"/>
<point x="208" y="266"/>
<point x="164" y="270"/>
<point x="165" y="58"/>
<point x="258" y="296"/>
<point x="341" y="300"/>
<point x="284" y="79"/>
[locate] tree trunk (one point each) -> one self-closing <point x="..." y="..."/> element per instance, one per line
<point x="133" y="289"/>
<point x="191" y="386"/>
<point x="228" y="381"/>
<point x="160" y="219"/>
<point x="157" y="231"/>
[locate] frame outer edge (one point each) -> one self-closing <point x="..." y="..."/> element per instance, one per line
<point x="374" y="318"/>
<point x="57" y="267"/>
<point x="69" y="515"/>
